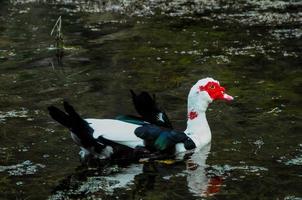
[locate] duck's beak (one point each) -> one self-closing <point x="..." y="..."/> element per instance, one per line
<point x="224" y="95"/>
<point x="227" y="97"/>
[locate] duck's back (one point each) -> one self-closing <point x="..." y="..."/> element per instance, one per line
<point x="116" y="131"/>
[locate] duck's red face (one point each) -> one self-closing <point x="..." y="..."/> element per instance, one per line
<point x="215" y="91"/>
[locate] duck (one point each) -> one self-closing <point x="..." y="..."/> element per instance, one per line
<point x="149" y="135"/>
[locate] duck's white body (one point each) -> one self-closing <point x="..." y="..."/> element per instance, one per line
<point x="123" y="133"/>
<point x="117" y="131"/>
<point x="126" y="133"/>
<point x="197" y="125"/>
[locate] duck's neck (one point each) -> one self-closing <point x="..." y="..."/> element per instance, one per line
<point x="197" y="126"/>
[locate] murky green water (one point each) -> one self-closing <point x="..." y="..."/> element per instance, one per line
<point x="252" y="47"/>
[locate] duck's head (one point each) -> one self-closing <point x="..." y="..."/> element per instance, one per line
<point x="204" y="92"/>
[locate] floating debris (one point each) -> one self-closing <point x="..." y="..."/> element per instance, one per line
<point x="13" y="114"/>
<point x="294" y="161"/>
<point x="292" y="198"/>
<point x="5" y="54"/>
<point x="247" y="50"/>
<point x="222" y="170"/>
<point x="46" y="156"/>
<point x="248" y="12"/>
<point x="259" y="143"/>
<point x="297" y="160"/>
<point x="105" y="184"/>
<point x="25" y="168"/>
<point x="275" y="111"/>
<point x="93" y="184"/>
<point x="24" y="149"/>
<point x="19" y="183"/>
<point x="221" y="59"/>
<point x="282" y="34"/>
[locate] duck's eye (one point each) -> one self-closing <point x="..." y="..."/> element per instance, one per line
<point x="212" y="87"/>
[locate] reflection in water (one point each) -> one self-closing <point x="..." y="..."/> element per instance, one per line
<point x="196" y="178"/>
<point x="199" y="181"/>
<point x="58" y="58"/>
<point x="142" y="178"/>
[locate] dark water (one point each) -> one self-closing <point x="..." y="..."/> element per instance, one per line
<point x="252" y="47"/>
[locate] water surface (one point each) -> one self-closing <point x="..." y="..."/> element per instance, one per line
<point x="252" y="47"/>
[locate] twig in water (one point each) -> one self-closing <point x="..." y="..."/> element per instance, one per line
<point x="56" y="31"/>
<point x="57" y="25"/>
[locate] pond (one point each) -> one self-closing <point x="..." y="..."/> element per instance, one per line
<point x="252" y="47"/>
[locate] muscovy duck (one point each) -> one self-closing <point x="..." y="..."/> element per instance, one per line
<point x="103" y="138"/>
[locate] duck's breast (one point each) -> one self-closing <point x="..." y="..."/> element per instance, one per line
<point x="116" y="131"/>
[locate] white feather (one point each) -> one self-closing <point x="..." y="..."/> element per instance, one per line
<point x="116" y="131"/>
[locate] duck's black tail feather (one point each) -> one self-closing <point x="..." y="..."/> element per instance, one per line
<point x="78" y="125"/>
<point x="72" y="120"/>
<point x="147" y="107"/>
<point x="60" y="116"/>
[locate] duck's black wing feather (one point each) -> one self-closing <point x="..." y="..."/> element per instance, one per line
<point x="147" y="107"/>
